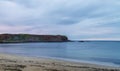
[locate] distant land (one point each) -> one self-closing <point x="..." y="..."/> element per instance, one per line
<point x="21" y="38"/>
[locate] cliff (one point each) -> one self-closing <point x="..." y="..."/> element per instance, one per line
<point x="16" y="38"/>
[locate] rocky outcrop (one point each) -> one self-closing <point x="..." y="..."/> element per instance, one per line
<point x="14" y="38"/>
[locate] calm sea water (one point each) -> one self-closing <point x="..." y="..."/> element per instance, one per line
<point x="99" y="52"/>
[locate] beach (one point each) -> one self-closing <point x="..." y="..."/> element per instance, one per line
<point x="9" y="62"/>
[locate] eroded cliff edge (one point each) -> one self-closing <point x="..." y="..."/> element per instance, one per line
<point x="19" y="38"/>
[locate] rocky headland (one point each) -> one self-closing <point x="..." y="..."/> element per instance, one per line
<point x="19" y="38"/>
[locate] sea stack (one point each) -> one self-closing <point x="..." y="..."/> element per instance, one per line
<point x="19" y="38"/>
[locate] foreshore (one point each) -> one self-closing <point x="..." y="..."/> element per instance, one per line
<point x="10" y="62"/>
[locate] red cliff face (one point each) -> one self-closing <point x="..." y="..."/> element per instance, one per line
<point x="31" y="38"/>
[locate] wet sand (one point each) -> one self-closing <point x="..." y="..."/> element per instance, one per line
<point x="10" y="62"/>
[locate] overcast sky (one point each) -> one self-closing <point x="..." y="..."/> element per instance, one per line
<point x="77" y="19"/>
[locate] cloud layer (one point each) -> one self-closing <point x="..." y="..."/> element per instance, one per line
<point x="78" y="19"/>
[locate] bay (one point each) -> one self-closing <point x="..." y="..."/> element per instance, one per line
<point x="106" y="52"/>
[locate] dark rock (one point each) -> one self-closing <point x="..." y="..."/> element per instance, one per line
<point x="17" y="38"/>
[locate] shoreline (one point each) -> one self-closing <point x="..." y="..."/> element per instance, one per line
<point x="84" y="61"/>
<point x="108" y="64"/>
<point x="13" y="62"/>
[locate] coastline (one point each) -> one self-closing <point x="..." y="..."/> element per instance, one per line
<point x="13" y="62"/>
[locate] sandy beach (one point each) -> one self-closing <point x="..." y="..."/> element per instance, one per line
<point x="10" y="62"/>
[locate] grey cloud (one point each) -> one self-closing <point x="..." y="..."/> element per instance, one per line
<point x="72" y="18"/>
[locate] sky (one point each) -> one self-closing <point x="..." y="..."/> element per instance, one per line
<point x="77" y="19"/>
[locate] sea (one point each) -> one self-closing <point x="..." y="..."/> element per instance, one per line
<point x="95" y="52"/>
